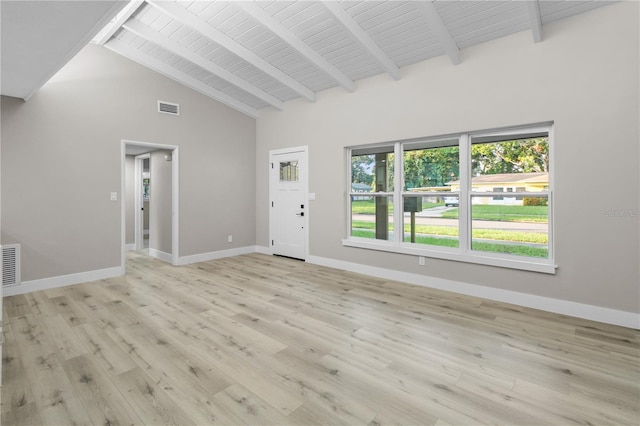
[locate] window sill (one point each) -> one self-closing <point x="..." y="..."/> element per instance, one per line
<point x="503" y="261"/>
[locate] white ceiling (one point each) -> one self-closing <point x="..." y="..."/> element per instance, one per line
<point x="40" y="37"/>
<point x="253" y="55"/>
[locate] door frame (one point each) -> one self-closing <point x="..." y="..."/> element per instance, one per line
<point x="175" y="197"/>
<point x="304" y="153"/>
<point x="138" y="202"/>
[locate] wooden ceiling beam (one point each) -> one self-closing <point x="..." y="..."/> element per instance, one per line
<point x="439" y="29"/>
<point x="261" y="17"/>
<point x="533" y="8"/>
<point x="182" y="15"/>
<point x="149" y="34"/>
<point x="113" y="26"/>
<point x="363" y="38"/>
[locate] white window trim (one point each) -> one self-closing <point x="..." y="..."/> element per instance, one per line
<point x="463" y="253"/>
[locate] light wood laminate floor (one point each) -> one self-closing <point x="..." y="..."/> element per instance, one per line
<point x="259" y="339"/>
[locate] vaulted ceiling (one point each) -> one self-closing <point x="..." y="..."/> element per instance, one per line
<point x="253" y="55"/>
<point x="40" y="37"/>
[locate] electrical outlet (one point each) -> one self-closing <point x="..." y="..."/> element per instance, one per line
<point x="230" y="239"/>
<point x="421" y="260"/>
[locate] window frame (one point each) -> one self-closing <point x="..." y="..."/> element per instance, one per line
<point x="463" y="252"/>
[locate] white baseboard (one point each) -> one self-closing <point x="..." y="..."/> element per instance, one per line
<point x="580" y="310"/>
<point x="574" y="309"/>
<point x="62" y="281"/>
<point x="160" y="255"/>
<point x="263" y="250"/>
<point x="130" y="247"/>
<point x="203" y="257"/>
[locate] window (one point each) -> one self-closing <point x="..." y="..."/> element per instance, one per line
<point x="289" y="171"/>
<point x="482" y="197"/>
<point x="498" y="197"/>
<point x="429" y="168"/>
<point x="372" y="215"/>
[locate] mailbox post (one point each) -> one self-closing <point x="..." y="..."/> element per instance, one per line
<point x="382" y="203"/>
<point x="412" y="205"/>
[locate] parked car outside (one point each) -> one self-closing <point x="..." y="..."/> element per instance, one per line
<point x="451" y="201"/>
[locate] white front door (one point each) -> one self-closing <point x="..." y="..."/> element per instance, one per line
<point x="288" y="216"/>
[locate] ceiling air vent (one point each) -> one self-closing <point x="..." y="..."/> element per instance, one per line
<point x="10" y="265"/>
<point x="168" y="108"/>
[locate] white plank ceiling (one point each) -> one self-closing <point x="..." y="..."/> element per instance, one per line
<point x="254" y="55"/>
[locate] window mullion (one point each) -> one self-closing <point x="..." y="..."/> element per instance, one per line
<point x="551" y="200"/>
<point x="464" y="200"/>
<point x="348" y="195"/>
<point x="398" y="185"/>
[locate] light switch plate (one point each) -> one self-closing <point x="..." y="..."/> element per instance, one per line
<point x="114" y="196"/>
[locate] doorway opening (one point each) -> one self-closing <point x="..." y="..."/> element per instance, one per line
<point x="142" y="201"/>
<point x="150" y="195"/>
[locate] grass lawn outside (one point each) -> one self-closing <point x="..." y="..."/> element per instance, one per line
<point x="450" y="231"/>
<point x="366" y="207"/>
<point x="528" y="214"/>
<point x="493" y="247"/>
<point x="531" y="244"/>
<point x="369" y="207"/>
<point x="541" y="252"/>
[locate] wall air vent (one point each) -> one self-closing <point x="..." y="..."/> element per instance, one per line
<point x="168" y="108"/>
<point x="10" y="265"/>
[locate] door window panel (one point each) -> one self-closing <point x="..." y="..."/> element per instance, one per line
<point x="289" y="171"/>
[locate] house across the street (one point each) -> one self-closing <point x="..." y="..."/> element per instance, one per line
<point x="509" y="183"/>
<point x="361" y="187"/>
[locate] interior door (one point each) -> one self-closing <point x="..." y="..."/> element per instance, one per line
<point x="140" y="198"/>
<point x="289" y="210"/>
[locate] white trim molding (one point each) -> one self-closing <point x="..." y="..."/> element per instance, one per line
<point x="512" y="262"/>
<point x="464" y="251"/>
<point x="564" y="307"/>
<point x="175" y="200"/>
<point x="263" y="250"/>
<point x="63" y="281"/>
<point x="203" y="257"/>
<point x="160" y="255"/>
<point x="101" y="274"/>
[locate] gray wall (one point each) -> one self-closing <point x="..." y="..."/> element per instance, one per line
<point x="129" y="188"/>
<point x="145" y="215"/>
<point x="160" y="203"/>
<point x="583" y="76"/>
<point x="61" y="158"/>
